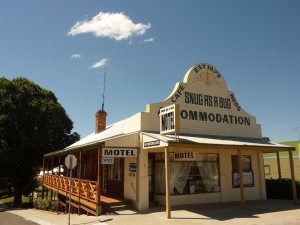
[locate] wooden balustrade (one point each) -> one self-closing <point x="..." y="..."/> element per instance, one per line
<point x="86" y="189"/>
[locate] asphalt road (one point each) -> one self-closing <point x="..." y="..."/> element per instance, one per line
<point x="7" y="218"/>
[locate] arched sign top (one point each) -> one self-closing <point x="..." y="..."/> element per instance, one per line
<point x="206" y="76"/>
<point x="207" y="106"/>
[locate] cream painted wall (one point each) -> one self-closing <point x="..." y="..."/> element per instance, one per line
<point x="189" y="199"/>
<point x="129" y="181"/>
<point x="233" y="194"/>
<point x="143" y="185"/>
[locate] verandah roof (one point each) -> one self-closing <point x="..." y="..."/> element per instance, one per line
<point x="116" y="130"/>
<point x="218" y="141"/>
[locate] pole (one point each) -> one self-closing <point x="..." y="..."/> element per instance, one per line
<point x="167" y="174"/>
<point x="293" y="176"/>
<point x="242" y="190"/>
<point x="70" y="190"/>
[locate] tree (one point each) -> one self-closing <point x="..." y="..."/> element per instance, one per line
<point x="266" y="139"/>
<point x="32" y="123"/>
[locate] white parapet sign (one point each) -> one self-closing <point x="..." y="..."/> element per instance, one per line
<point x="169" y="119"/>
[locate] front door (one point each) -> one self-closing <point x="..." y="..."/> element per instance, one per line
<point x="113" y="179"/>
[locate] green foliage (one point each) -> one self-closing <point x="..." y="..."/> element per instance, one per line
<point x="7" y="199"/>
<point x="277" y="189"/>
<point x="266" y="139"/>
<point x="32" y="123"/>
<point x="46" y="204"/>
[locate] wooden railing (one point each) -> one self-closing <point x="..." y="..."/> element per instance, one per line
<point x="83" y="189"/>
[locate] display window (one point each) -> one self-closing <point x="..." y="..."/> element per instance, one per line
<point x="201" y="175"/>
<point x="247" y="171"/>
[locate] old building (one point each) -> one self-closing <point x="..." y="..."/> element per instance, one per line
<point x="197" y="146"/>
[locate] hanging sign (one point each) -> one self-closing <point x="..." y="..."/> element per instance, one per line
<point x="169" y="119"/>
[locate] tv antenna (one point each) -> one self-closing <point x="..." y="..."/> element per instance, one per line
<point x="104" y="87"/>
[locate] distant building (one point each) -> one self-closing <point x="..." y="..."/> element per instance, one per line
<point x="197" y="146"/>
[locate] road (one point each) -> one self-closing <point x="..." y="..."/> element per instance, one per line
<point x="7" y="218"/>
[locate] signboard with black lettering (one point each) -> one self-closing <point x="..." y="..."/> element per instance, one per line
<point x="207" y="107"/>
<point x="184" y="156"/>
<point x="151" y="143"/>
<point x="169" y="119"/>
<point x="118" y="152"/>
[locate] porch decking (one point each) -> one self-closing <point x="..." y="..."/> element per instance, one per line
<point x="84" y="195"/>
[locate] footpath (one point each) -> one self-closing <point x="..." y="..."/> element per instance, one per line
<point x="268" y="212"/>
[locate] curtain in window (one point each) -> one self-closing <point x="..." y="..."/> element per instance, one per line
<point x="210" y="175"/>
<point x="179" y="173"/>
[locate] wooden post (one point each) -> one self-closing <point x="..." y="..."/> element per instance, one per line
<point x="43" y="187"/>
<point x="79" y="180"/>
<point x="167" y="173"/>
<point x="259" y="174"/>
<point x="241" y="179"/>
<point x="52" y="165"/>
<point x="59" y="165"/>
<point x="293" y="176"/>
<point x="137" y="183"/>
<point x="98" y="202"/>
<point x="48" y="176"/>
<point x="278" y="166"/>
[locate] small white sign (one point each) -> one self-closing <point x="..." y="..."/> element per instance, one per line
<point x="107" y="161"/>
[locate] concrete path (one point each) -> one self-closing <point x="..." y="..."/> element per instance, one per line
<point x="269" y="212"/>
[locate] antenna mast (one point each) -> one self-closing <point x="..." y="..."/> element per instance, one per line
<point x="104" y="87"/>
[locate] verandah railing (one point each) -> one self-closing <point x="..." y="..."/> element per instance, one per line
<point x="84" y="189"/>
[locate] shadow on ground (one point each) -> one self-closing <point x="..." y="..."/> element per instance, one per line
<point x="226" y="211"/>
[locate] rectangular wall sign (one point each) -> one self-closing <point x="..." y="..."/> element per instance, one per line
<point x="119" y="152"/>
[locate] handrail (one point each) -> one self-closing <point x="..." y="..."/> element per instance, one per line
<point x="87" y="188"/>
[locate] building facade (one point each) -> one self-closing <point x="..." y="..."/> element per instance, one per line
<point x="196" y="146"/>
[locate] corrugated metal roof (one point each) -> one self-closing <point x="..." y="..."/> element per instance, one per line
<point x="111" y="131"/>
<point x="218" y="140"/>
<point x="117" y="130"/>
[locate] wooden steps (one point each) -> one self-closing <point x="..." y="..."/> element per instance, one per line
<point x="117" y="206"/>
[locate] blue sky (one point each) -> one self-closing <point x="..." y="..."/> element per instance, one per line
<point x="148" y="46"/>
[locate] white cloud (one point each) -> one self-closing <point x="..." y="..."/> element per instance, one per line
<point x="149" y="40"/>
<point x="75" y="56"/>
<point x="112" y="25"/>
<point x="99" y="64"/>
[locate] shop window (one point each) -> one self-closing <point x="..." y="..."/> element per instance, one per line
<point x="247" y="171"/>
<point x="189" y="177"/>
